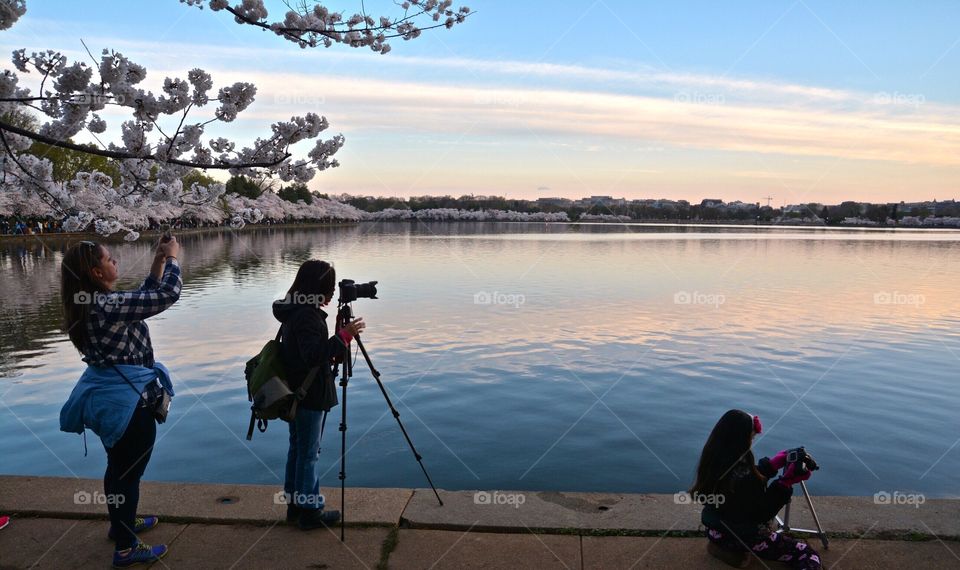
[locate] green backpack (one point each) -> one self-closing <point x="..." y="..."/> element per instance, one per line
<point x="268" y="389"/>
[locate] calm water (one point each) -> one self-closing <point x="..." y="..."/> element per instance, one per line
<point x="589" y="358"/>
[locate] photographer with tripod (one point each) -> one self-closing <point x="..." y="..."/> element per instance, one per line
<point x="307" y="344"/>
<point x="739" y="502"/>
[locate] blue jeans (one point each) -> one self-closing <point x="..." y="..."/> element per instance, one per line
<point x="302" y="482"/>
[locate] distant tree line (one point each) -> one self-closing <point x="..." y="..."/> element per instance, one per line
<point x="243" y="186"/>
<point x="67" y="163"/>
<point x="635" y="211"/>
<point x="833" y="214"/>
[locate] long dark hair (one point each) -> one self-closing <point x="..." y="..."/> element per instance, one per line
<point x="77" y="288"/>
<point x="728" y="445"/>
<point x="315" y="280"/>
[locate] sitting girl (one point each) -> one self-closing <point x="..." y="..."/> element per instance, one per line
<point x="740" y="503"/>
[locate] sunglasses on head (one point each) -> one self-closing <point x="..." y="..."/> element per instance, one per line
<point x="89" y="246"/>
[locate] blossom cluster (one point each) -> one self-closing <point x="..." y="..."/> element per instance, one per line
<point x="585" y="217"/>
<point x="233" y="209"/>
<point x="152" y="160"/>
<point x="317" y="25"/>
<point x="454" y="214"/>
<point x="160" y="143"/>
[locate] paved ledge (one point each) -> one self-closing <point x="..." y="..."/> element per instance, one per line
<point x="65" y="544"/>
<point x="547" y="512"/>
<point x="436" y="549"/>
<point x="479" y="511"/>
<point x="844" y="554"/>
<point x="61" y="544"/>
<point x="65" y="497"/>
<point x="640" y="515"/>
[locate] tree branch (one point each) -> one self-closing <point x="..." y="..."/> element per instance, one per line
<point x="54" y="203"/>
<point x="296" y="33"/>
<point x="128" y="156"/>
<point x="180" y="126"/>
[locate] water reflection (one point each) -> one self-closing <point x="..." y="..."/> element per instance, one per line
<point x="537" y="356"/>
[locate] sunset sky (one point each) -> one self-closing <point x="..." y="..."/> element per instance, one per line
<point x="799" y="100"/>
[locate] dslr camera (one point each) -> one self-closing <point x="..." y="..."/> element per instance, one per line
<point x="804" y="461"/>
<point x="350" y="291"/>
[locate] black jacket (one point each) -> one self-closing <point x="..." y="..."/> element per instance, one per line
<point x="749" y="504"/>
<point x="305" y="343"/>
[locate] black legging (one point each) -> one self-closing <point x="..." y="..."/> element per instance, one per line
<point x="769" y="546"/>
<point x="126" y="462"/>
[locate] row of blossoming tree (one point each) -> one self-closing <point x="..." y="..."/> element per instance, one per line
<point x="49" y="99"/>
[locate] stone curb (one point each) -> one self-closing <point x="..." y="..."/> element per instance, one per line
<point x="586" y="514"/>
<point x="64" y="497"/>
<point x="657" y="515"/>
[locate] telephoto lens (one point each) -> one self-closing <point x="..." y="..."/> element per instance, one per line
<point x="350" y="290"/>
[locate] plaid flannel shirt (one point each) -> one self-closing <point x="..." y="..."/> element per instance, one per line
<point x="116" y="328"/>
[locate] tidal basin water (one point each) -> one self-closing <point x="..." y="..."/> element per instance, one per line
<point x="539" y="357"/>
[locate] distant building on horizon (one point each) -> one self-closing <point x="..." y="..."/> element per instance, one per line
<point x="562" y="202"/>
<point x="602" y="201"/>
<point x="812" y="208"/>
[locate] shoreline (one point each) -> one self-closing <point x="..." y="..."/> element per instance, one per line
<point x="56" y="520"/>
<point x="490" y="511"/>
<point x="118" y="238"/>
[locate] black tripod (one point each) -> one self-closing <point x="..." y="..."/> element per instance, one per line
<point x="344" y="316"/>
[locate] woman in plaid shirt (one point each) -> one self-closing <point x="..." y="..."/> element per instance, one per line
<point x="115" y="395"/>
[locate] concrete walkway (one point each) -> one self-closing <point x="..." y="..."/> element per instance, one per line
<point x="58" y="523"/>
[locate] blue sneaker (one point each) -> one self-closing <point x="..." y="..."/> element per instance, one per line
<point x="316" y="518"/>
<point x="139" y="554"/>
<point x="141" y="524"/>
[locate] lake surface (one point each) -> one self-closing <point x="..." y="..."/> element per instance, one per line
<point x="539" y="357"/>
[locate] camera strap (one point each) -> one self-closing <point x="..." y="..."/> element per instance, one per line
<point x="122" y="375"/>
<point x="143" y="396"/>
<point x="323" y="424"/>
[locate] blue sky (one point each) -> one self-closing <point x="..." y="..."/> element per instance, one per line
<point x="801" y="100"/>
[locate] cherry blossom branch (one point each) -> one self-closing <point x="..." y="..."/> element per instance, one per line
<point x="180" y="126"/>
<point x="127" y="155"/>
<point x="296" y="33"/>
<point x="304" y="26"/>
<point x="53" y="202"/>
<point x="152" y="167"/>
